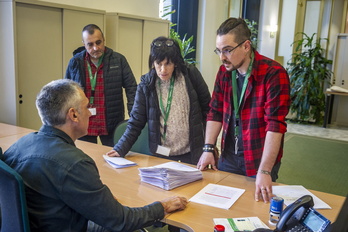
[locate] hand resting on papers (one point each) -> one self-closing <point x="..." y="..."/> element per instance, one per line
<point x="173" y="203"/>
<point x="112" y="153"/>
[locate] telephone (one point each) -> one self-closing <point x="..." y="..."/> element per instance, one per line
<point x="300" y="216"/>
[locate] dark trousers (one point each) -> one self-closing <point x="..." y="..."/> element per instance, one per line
<point x="106" y="140"/>
<point x="235" y="164"/>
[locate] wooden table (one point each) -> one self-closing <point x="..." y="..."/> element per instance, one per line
<point x="127" y="188"/>
<point x="7" y="130"/>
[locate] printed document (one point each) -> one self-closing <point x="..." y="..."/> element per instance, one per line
<point x="290" y="193"/>
<point x="240" y="224"/>
<point x="219" y="196"/>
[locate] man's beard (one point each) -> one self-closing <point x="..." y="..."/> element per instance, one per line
<point x="233" y="67"/>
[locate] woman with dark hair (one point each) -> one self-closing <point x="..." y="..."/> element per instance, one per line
<point x="173" y="99"/>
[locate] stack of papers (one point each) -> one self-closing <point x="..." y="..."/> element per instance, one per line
<point x="169" y="175"/>
<point x="240" y="224"/>
<point x="218" y="196"/>
<point x="118" y="162"/>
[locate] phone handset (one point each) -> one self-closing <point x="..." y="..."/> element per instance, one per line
<point x="305" y="202"/>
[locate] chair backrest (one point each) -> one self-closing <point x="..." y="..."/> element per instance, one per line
<point x="13" y="204"/>
<point x="142" y="143"/>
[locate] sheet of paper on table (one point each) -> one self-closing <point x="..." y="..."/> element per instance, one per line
<point x="290" y="193"/>
<point x="218" y="196"/>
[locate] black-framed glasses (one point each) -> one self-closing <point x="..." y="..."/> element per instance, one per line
<point x="168" y="43"/>
<point x="227" y="52"/>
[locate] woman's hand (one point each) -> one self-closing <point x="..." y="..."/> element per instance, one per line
<point x="112" y="153"/>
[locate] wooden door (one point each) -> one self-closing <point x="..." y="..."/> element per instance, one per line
<point x="39" y="56"/>
<point x="73" y="23"/>
<point x="130" y="37"/>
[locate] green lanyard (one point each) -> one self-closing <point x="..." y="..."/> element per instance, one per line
<point x="169" y="103"/>
<point x="236" y="104"/>
<point x="93" y="78"/>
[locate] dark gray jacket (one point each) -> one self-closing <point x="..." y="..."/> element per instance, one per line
<point x="146" y="110"/>
<point x="117" y="74"/>
<point x="64" y="190"/>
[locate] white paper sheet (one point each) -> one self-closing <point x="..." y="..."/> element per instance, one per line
<point x="290" y="193"/>
<point x="240" y="224"/>
<point x="175" y="166"/>
<point x="218" y="196"/>
<point x="118" y="162"/>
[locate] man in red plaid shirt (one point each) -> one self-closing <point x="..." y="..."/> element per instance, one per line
<point x="250" y="101"/>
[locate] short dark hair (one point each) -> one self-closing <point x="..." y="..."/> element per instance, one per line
<point x="171" y="53"/>
<point x="55" y="99"/>
<point x="237" y="27"/>
<point x="90" y="28"/>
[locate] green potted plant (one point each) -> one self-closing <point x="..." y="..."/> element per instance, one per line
<point x="309" y="74"/>
<point x="252" y="25"/>
<point x="184" y="43"/>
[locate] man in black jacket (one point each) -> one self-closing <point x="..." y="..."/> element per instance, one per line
<point x="103" y="74"/>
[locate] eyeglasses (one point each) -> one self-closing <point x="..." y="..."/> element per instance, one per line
<point x="227" y="52"/>
<point x="168" y="43"/>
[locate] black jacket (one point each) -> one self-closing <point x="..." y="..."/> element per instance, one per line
<point x="117" y="74"/>
<point x="64" y="189"/>
<point x="146" y="110"/>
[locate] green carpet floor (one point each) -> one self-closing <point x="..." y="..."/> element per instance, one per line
<point x="316" y="163"/>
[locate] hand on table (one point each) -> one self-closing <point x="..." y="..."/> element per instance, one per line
<point x="112" y="153"/>
<point x="174" y="203"/>
<point x="263" y="188"/>
<point x="206" y="159"/>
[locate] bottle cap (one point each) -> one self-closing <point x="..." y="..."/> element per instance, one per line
<point x="219" y="228"/>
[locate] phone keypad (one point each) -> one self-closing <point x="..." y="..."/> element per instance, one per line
<point x="299" y="228"/>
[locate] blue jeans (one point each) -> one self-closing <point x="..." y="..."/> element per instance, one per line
<point x="232" y="163"/>
<point x="236" y="164"/>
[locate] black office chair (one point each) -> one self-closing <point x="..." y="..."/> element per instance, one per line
<point x="142" y="143"/>
<point x="13" y="204"/>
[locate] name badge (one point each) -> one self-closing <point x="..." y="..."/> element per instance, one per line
<point x="163" y="150"/>
<point x="93" y="111"/>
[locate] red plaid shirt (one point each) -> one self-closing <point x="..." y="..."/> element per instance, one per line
<point x="97" y="123"/>
<point x="265" y="106"/>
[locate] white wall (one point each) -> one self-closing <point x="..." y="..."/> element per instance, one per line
<point x="268" y="17"/>
<point x="325" y="30"/>
<point x="287" y="29"/>
<point x="210" y="15"/>
<point x="147" y="8"/>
